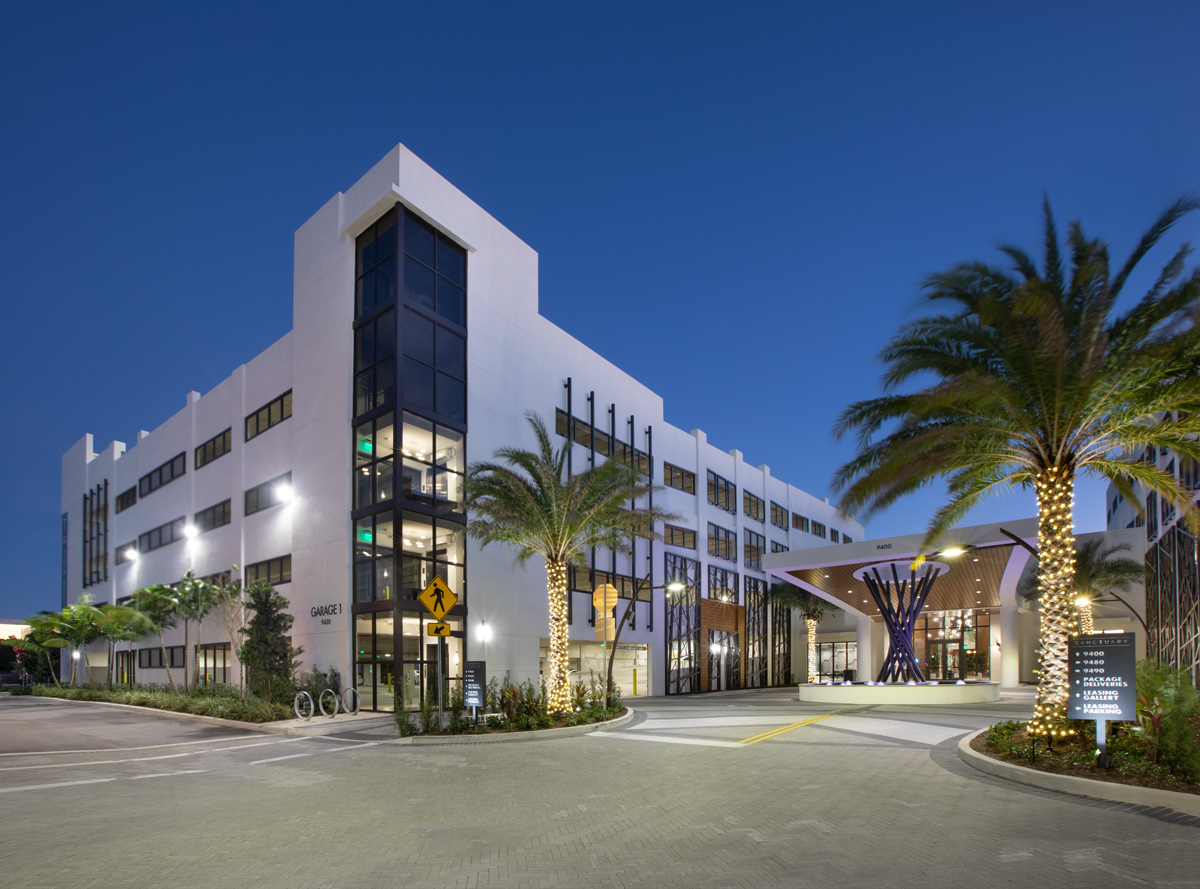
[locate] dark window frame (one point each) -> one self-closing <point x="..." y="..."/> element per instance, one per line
<point x="213" y="449"/>
<point x="722" y="493"/>
<point x="264" y="496"/>
<point x="266" y="414"/>
<point x="163" y="475"/>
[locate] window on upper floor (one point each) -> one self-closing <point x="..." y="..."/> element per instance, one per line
<point x="435" y="367"/>
<point x="834" y="537"/>
<point x="679" y="479"/>
<point x="217" y="446"/>
<point x="270" y="414"/>
<point x="754" y="506"/>
<point x="214" y="517"/>
<point x="165" y="474"/>
<point x="722" y="493"/>
<point x="779" y="515"/>
<point x="163" y="535"/>
<point x="817" y="528"/>
<point x="274" y="571"/>
<point x="722" y="543"/>
<point x="434" y="272"/>
<point x="126" y="499"/>
<point x="753" y="547"/>
<point x="777" y="547"/>
<point x="676" y="536"/>
<point x="799" y="522"/>
<point x="723" y="585"/>
<point x="272" y="493"/>
<point x="846" y="538"/>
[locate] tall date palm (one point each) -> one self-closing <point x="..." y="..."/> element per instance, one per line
<point x="1036" y="378"/>
<point x="529" y="502"/>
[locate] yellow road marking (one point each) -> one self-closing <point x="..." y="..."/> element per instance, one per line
<point x="787" y="728"/>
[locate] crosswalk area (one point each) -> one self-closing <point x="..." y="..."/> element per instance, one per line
<point x="41" y="772"/>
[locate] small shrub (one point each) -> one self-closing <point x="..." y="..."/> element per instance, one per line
<point x="429" y="715"/>
<point x="579" y="697"/>
<point x="1000" y="735"/>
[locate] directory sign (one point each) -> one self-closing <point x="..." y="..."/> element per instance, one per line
<point x="474" y="683"/>
<point x="1102" y="668"/>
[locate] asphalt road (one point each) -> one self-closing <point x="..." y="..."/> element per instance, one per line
<point x="742" y="789"/>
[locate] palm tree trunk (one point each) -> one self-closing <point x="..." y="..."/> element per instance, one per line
<point x="812" y="648"/>
<point x="111" y="666"/>
<point x="50" y="664"/>
<point x="1055" y="489"/>
<point x="166" y="663"/>
<point x="199" y="649"/>
<point x="185" y="655"/>
<point x="559" y="690"/>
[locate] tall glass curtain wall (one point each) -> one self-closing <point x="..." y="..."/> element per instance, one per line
<point x="409" y="448"/>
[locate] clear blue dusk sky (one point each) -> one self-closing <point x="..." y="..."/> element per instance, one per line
<point x="734" y="202"/>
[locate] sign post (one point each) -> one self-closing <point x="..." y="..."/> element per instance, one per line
<point x="438" y="599"/>
<point x="474" y="684"/>
<point x="1103" y="682"/>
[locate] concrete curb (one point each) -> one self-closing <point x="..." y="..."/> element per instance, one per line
<point x="546" y="734"/>
<point x="1185" y="803"/>
<point x="296" y="727"/>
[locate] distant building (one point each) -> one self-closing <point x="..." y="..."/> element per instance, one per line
<point x="331" y="465"/>
<point x="1173" y="581"/>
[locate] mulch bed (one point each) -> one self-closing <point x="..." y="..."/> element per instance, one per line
<point x="1051" y="761"/>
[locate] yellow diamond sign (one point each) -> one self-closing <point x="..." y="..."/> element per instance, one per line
<point x="438" y="598"/>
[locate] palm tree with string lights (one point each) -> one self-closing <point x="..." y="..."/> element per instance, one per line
<point x="1032" y="377"/>
<point x="811" y="607"/>
<point x="527" y="501"/>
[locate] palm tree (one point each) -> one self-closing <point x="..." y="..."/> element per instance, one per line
<point x="195" y="600"/>
<point x="812" y="607"/>
<point x="44" y="633"/>
<point x="120" y="623"/>
<point x="75" y="627"/>
<point x="160" y="605"/>
<point x="532" y="506"/>
<point x="1036" y="379"/>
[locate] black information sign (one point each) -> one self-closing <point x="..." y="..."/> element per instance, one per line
<point x="474" y="683"/>
<point x="1102" y="677"/>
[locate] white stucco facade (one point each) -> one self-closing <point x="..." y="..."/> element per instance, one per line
<point x="516" y="361"/>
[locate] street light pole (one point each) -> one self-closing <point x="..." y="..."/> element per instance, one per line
<point x="673" y="586"/>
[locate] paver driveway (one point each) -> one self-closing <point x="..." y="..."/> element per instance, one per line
<point x="747" y="789"/>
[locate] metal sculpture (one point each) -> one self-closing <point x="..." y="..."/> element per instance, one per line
<point x="900" y="603"/>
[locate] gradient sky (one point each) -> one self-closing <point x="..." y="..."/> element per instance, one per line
<point x="733" y="202"/>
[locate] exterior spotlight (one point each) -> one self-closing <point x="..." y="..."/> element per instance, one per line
<point x="485" y="633"/>
<point x="952" y="551"/>
<point x="132" y="554"/>
<point x="283" y="492"/>
<point x="190" y="531"/>
<point x="675" y="586"/>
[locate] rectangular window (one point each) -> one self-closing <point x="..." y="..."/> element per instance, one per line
<point x="818" y="529"/>
<point x="779" y="515"/>
<point x="95" y="535"/>
<point x="270" y="414"/>
<point x="163" y="535"/>
<point x="268" y="494"/>
<point x="799" y="522"/>
<point x="722" y="585"/>
<point x="680" y="479"/>
<point x="777" y="547"/>
<point x="722" y="493"/>
<point x="833" y="536"/>
<point x="753" y="549"/>
<point x="846" y="538"/>
<point x="435" y="367"/>
<point x="126" y="499"/>
<point x="150" y="657"/>
<point x="675" y="536"/>
<point x="754" y="506"/>
<point x="217" y="446"/>
<point x="273" y="571"/>
<point x="213" y="517"/>
<point x="722" y="543"/>
<point x="168" y="472"/>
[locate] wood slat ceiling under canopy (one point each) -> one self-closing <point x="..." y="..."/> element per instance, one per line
<point x="973" y="581"/>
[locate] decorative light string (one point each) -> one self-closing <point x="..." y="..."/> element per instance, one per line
<point x="1056" y="572"/>
<point x="559" y="692"/>
<point x="812" y="648"/>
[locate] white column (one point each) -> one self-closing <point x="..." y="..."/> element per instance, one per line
<point x="1010" y="650"/>
<point x="866" y="663"/>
